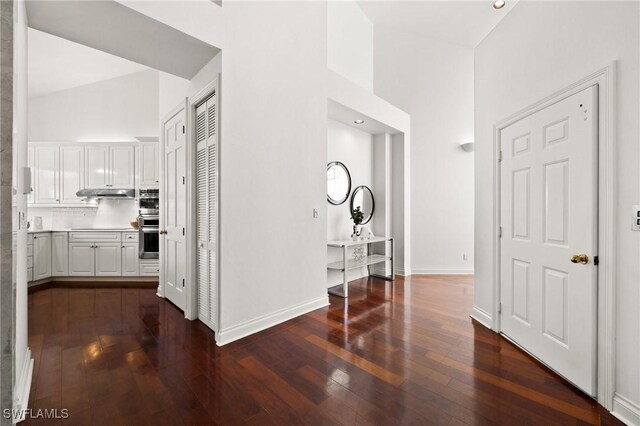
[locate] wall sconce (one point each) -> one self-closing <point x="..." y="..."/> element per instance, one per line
<point x="467" y="146"/>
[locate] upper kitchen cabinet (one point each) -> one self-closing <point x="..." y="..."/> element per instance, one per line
<point x="57" y="174"/>
<point x="109" y="166"/>
<point x="149" y="165"/>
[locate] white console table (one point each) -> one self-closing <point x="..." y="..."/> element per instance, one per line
<point x="347" y="264"/>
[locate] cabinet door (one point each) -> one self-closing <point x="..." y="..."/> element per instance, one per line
<point x="71" y="175"/>
<point x="82" y="259"/>
<point x="59" y="254"/>
<point x="108" y="259"/>
<point x="96" y="166"/>
<point x="122" y="166"/>
<point x="32" y="165"/>
<point x="46" y="174"/>
<point x="41" y="256"/>
<point x="130" y="260"/>
<point x="149" y="165"/>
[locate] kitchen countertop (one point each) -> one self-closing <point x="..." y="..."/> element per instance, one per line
<point x="37" y="231"/>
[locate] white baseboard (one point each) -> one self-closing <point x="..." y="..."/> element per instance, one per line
<point x="402" y="272"/>
<point x="23" y="387"/>
<point x="482" y="316"/>
<point x="625" y="410"/>
<point x="253" y="326"/>
<point x="431" y="271"/>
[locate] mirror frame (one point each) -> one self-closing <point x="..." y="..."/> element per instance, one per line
<point x="373" y="201"/>
<point x="346" y="197"/>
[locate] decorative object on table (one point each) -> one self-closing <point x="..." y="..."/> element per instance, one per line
<point x="362" y="199"/>
<point x="357" y="216"/>
<point x="338" y="183"/>
<point x="135" y="224"/>
<point x="359" y="254"/>
<point x="365" y="233"/>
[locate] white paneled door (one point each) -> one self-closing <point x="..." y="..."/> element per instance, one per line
<point x="174" y="205"/>
<point x="548" y="273"/>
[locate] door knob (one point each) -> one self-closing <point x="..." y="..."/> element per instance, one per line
<point x="163" y="232"/>
<point x="582" y="259"/>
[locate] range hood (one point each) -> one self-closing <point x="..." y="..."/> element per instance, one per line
<point x="107" y="193"/>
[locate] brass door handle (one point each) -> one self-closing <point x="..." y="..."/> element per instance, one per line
<point x="582" y="259"/>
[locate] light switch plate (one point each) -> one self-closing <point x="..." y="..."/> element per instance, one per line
<point x="636" y="218"/>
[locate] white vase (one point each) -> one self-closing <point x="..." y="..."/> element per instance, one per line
<point x="356" y="233"/>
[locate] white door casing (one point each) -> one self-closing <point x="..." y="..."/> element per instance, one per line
<point x="173" y="248"/>
<point x="549" y="187"/>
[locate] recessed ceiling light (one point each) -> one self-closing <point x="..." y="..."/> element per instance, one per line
<point x="498" y="4"/>
<point x="359" y="121"/>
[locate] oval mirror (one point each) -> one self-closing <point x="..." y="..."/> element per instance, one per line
<point x="338" y="183"/>
<point x="362" y="197"/>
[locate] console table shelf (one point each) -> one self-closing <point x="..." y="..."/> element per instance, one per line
<point x="347" y="264"/>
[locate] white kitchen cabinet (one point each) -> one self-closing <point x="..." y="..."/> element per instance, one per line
<point x="41" y="256"/>
<point x="122" y="166"/>
<point x="109" y="166"/>
<point x="149" y="267"/>
<point x="149" y="165"/>
<point x="46" y="174"/>
<point x="130" y="260"/>
<point x="82" y="260"/>
<point x="96" y="166"/>
<point x="59" y="254"/>
<point x="108" y="259"/>
<point x="71" y="174"/>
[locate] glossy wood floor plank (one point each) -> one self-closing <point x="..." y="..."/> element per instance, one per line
<point x="405" y="353"/>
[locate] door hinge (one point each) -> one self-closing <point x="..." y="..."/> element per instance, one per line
<point x="183" y="282"/>
<point x="499" y="307"/>
<point x="500" y="232"/>
<point x="500" y="156"/>
<point x="183" y="232"/>
<point x="184" y="180"/>
<point x="183" y="130"/>
<point x="596" y="260"/>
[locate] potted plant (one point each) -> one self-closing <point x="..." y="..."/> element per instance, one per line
<point x="357" y="216"/>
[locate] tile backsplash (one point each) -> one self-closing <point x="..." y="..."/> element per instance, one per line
<point x="106" y="213"/>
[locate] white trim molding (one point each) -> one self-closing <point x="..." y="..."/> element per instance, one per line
<point x="23" y="387"/>
<point x="239" y="331"/>
<point x="431" y="271"/>
<point x="625" y="410"/>
<point x="605" y="79"/>
<point x="482" y="316"/>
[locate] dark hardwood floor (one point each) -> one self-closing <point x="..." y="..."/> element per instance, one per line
<point x="407" y="354"/>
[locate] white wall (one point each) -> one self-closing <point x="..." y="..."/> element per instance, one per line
<point x="273" y="151"/>
<point x="350" y="42"/>
<point x="111" y="110"/>
<point x="433" y="82"/>
<point x="354" y="148"/>
<point x="539" y="48"/>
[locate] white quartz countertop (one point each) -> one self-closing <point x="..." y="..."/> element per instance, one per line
<point x="36" y="231"/>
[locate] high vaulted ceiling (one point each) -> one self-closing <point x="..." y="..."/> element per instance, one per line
<point x="464" y="23"/>
<point x="57" y="64"/>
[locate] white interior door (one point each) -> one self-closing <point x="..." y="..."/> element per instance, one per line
<point x="548" y="215"/>
<point x="207" y="210"/>
<point x="174" y="201"/>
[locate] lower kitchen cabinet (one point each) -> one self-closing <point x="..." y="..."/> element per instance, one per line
<point x="59" y="254"/>
<point x="130" y="261"/>
<point x="108" y="259"/>
<point x="82" y="260"/>
<point x="41" y="256"/>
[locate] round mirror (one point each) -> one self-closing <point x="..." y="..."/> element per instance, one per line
<point x="338" y="183"/>
<point x="362" y="198"/>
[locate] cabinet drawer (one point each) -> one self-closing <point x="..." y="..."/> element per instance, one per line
<point x="150" y="268"/>
<point x="30" y="262"/>
<point x="129" y="237"/>
<point x="84" y="237"/>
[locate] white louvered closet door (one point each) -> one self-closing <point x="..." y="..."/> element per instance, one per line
<point x="207" y="210"/>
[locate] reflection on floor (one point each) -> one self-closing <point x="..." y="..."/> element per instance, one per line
<point x="406" y="353"/>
